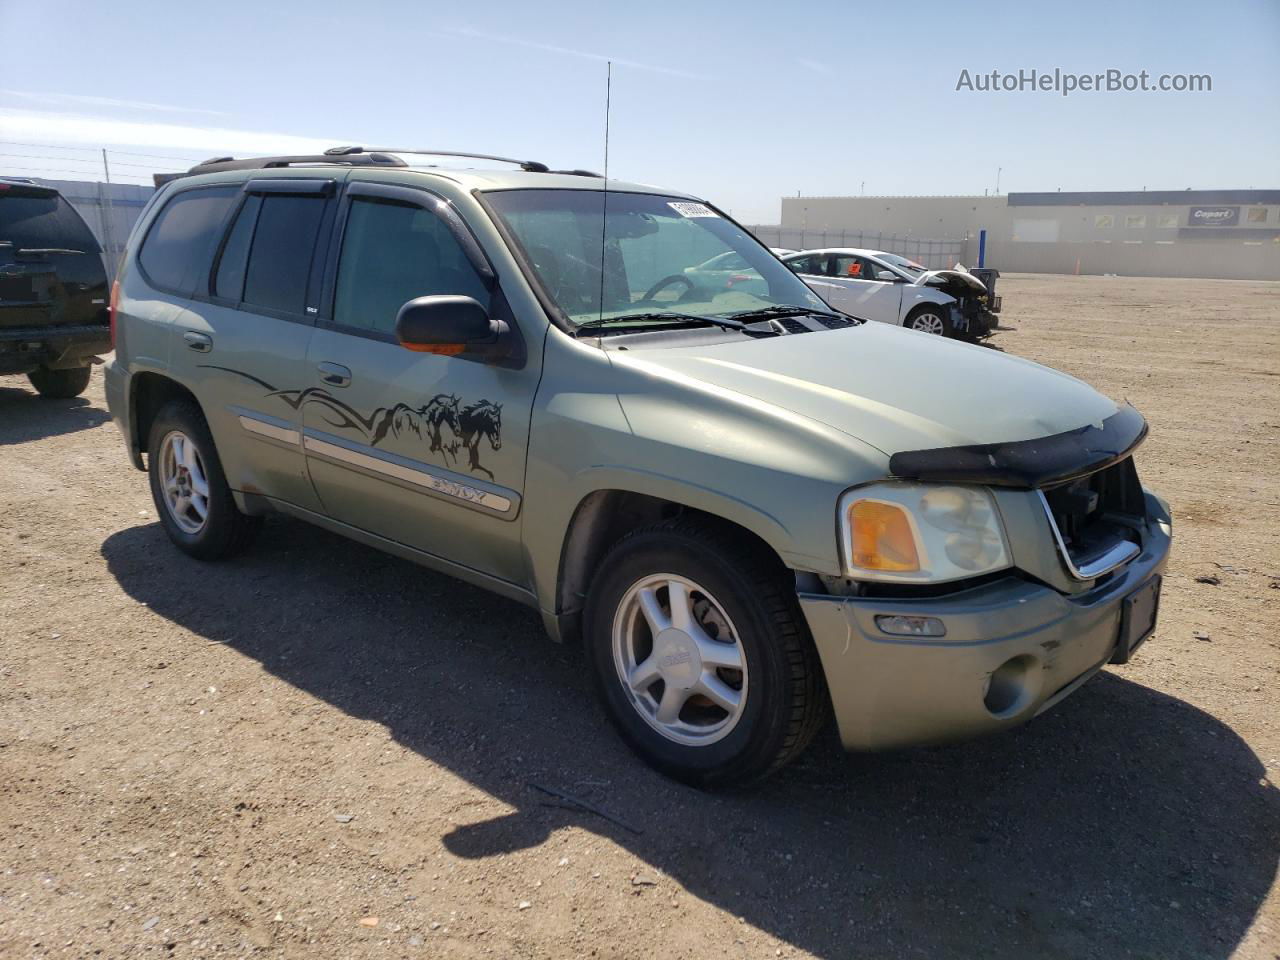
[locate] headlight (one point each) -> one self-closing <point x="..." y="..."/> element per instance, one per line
<point x="920" y="533"/>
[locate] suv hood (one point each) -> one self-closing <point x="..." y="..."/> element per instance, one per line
<point x="895" y="389"/>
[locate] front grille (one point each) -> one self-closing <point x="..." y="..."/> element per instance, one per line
<point x="1098" y="518"/>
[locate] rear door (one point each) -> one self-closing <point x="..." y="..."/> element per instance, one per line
<point x="861" y="293"/>
<point x="421" y="449"/>
<point x="242" y="342"/>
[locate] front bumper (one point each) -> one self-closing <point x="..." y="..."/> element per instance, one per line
<point x="892" y="691"/>
<point x="23" y="349"/>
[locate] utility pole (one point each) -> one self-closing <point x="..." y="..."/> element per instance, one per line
<point x="104" y="197"/>
<point x="999" y="170"/>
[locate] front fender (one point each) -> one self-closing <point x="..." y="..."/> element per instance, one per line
<point x="914" y="296"/>
<point x="621" y="427"/>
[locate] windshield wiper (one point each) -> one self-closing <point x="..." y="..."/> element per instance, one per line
<point x="788" y="310"/>
<point x="645" y="319"/>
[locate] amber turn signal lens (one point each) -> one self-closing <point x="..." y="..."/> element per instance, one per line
<point x="881" y="537"/>
<point x="444" y="349"/>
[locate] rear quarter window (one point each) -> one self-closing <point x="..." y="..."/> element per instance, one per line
<point x="179" y="245"/>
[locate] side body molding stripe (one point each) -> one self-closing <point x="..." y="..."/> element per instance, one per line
<point x="264" y="429"/>
<point x="419" y="475"/>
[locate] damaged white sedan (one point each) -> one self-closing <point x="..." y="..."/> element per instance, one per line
<point x="883" y="286"/>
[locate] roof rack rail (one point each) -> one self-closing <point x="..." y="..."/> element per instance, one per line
<point x="218" y="164"/>
<point x="366" y="157"/>
<point x="532" y="166"/>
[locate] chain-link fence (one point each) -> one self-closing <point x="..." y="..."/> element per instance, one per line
<point x="935" y="254"/>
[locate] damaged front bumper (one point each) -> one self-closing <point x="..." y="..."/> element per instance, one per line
<point x="1013" y="649"/>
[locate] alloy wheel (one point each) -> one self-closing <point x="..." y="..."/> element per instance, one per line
<point x="679" y="659"/>
<point x="184" y="483"/>
<point x="927" y="323"/>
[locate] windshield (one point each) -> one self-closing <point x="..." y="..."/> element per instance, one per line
<point x="903" y="264"/>
<point x="659" y="255"/>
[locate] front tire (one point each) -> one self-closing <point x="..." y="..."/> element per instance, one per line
<point x="60" y="384"/>
<point x="701" y="655"/>
<point x="189" y="488"/>
<point x="930" y="319"/>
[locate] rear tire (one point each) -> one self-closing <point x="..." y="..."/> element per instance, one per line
<point x="60" y="384"/>
<point x="743" y="641"/>
<point x="930" y="319"/>
<point x="190" y="490"/>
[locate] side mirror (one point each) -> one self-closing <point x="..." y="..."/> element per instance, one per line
<point x="887" y="276"/>
<point x="451" y="325"/>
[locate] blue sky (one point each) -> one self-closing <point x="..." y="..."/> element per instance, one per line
<point x="741" y="102"/>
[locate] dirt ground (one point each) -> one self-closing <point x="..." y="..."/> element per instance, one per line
<point x="258" y="758"/>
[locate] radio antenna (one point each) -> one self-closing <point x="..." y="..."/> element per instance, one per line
<point x="604" y="198"/>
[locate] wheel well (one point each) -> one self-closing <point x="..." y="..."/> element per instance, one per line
<point x="602" y="519"/>
<point x="939" y="308"/>
<point x="151" y="391"/>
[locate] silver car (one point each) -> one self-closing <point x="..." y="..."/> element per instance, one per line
<point x="882" y="286"/>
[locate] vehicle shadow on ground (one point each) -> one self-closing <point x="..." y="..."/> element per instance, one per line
<point x="26" y="416"/>
<point x="1125" y="822"/>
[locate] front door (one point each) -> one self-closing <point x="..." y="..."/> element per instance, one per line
<point x="425" y="450"/>
<point x="860" y="293"/>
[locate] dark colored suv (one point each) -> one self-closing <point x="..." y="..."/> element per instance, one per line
<point x="54" y="316"/>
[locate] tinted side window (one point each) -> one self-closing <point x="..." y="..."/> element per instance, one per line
<point x="283" y="243"/>
<point x="180" y="242"/>
<point x="235" y="254"/>
<point x="394" y="252"/>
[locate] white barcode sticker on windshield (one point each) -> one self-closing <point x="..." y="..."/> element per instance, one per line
<point x="692" y="209"/>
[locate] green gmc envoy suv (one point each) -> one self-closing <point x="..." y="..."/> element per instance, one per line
<point x="750" y="508"/>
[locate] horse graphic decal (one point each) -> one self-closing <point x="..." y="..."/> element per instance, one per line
<point x="443" y="422"/>
<point x="477" y="421"/>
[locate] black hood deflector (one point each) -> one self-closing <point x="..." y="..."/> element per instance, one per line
<point x="1028" y="464"/>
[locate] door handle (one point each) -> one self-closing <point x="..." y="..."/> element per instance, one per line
<point x="200" y="342"/>
<point x="334" y="374"/>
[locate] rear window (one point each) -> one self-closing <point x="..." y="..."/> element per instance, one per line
<point x="40" y="220"/>
<point x="283" y="244"/>
<point x="179" y="246"/>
